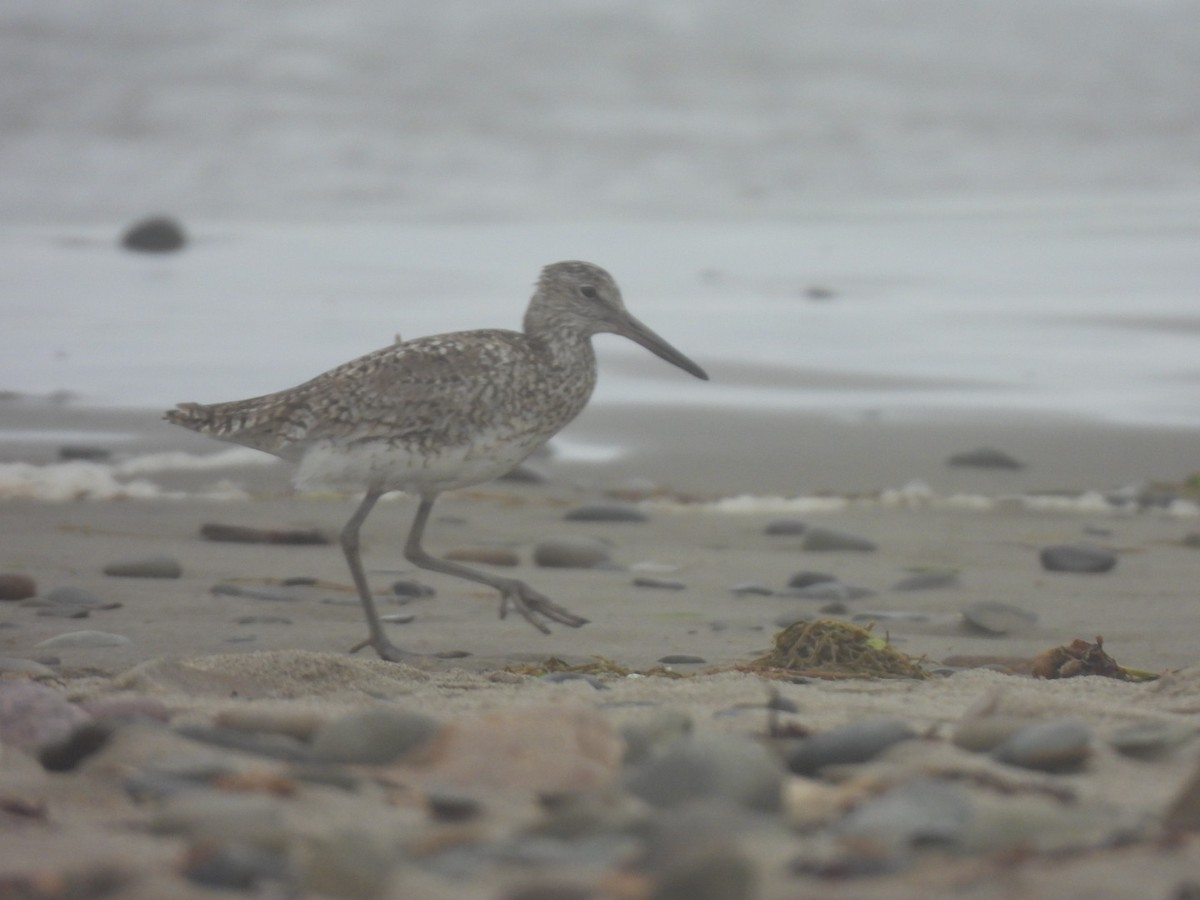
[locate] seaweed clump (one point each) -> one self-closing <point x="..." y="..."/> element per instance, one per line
<point x="829" y="649"/>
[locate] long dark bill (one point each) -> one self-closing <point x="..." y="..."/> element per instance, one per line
<point x="631" y="328"/>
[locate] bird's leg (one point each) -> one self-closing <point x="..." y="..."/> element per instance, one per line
<point x="378" y="639"/>
<point x="528" y="602"/>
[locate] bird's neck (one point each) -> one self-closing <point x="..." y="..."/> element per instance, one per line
<point x="563" y="348"/>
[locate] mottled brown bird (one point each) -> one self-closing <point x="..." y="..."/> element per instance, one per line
<point x="441" y="412"/>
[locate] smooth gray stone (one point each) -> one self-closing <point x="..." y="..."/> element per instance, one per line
<point x="1147" y="740"/>
<point x="35" y="715"/>
<point x="606" y="512"/>
<point x="985" y="458"/>
<point x="654" y="732"/>
<point x="857" y="742"/>
<point x="997" y="619"/>
<point x="235" y="867"/>
<point x="751" y="589"/>
<point x="927" y="581"/>
<point x="224" y="816"/>
<point x="156" y="234"/>
<point x="784" y="527"/>
<point x="252" y="592"/>
<point x="827" y="540"/>
<point x="147" y="567"/>
<point x="806" y="578"/>
<point x="571" y="552"/>
<point x="737" y="770"/>
<point x="18" y="666"/>
<point x="662" y="584"/>
<point x="371" y="736"/>
<point x="83" y="640"/>
<point x="828" y="590"/>
<point x="1086" y="558"/>
<point x="916" y="813"/>
<point x="272" y="746"/>
<point x="69" y="595"/>
<point x="1059" y="746"/>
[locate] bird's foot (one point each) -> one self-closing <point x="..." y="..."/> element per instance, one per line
<point x="532" y="604"/>
<point x="391" y="653"/>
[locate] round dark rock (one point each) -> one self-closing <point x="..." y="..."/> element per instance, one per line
<point x="682" y="659"/>
<point x="65" y="755"/>
<point x="985" y="458"/>
<point x="571" y="552"/>
<point x="662" y="584"/>
<point x="1077" y="558"/>
<point x="69" y="595"/>
<point x="148" y="567"/>
<point x="827" y="540"/>
<point x="157" y="234"/>
<point x="70" y="452"/>
<point x="829" y="590"/>
<point x="920" y="812"/>
<point x="606" y="512"/>
<point x="14" y="586"/>
<point x="409" y="587"/>
<point x="783" y="527"/>
<point x="804" y="579"/>
<point x="751" y="589"/>
<point x="857" y="742"/>
<point x="234" y="867"/>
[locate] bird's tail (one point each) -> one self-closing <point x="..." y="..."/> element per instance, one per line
<point x="196" y="416"/>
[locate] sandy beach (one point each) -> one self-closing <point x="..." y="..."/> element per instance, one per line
<point x="708" y="494"/>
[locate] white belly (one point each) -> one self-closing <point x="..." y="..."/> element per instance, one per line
<point x="395" y="467"/>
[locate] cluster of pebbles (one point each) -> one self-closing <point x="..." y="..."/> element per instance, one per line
<point x="581" y="789"/>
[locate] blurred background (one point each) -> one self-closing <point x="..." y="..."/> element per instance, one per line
<point x="861" y="207"/>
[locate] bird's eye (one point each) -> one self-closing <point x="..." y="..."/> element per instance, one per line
<point x="588" y="291"/>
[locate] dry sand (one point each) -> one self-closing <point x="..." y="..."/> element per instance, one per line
<point x="1144" y="608"/>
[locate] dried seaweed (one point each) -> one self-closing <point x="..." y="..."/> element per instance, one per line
<point x="598" y="666"/>
<point x="1083" y="658"/>
<point x="829" y="649"/>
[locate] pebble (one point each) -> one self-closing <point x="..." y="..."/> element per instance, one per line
<point x="927" y="581"/>
<point x="253" y="818"/>
<point x="1192" y="539"/>
<point x="1077" y="558"/>
<point x="983" y="734"/>
<point x="84" y="452"/>
<point x="606" y="512"/>
<point x="997" y="619"/>
<point x="857" y="742"/>
<point x="244" y="534"/>
<point x="398" y="618"/>
<point x="147" y="567"/>
<point x="263" y="620"/>
<point x="233" y="866"/>
<point x="805" y="578"/>
<point x="779" y="527"/>
<point x="17" y="666"/>
<point x="83" y="640"/>
<point x="985" y="458"/>
<point x="827" y="540"/>
<point x="372" y="736"/>
<point x="33" y="715"/>
<point x="14" y="586"/>
<point x="751" y="589"/>
<point x="253" y="592"/>
<point x="664" y="584"/>
<point x="1148" y="740"/>
<point x="735" y="769"/>
<point x="919" y="812"/>
<point x="82" y="742"/>
<point x="1058" y="746"/>
<point x="490" y="556"/>
<point x="410" y="587"/>
<point x="155" y="234"/>
<point x="572" y="552"/>
<point x="650" y="733"/>
<point x="682" y="659"/>
<point x="271" y="746"/>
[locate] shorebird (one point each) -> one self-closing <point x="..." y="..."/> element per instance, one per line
<point x="440" y="412"/>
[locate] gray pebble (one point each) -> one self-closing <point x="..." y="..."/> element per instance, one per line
<point x="398" y="618"/>
<point x="147" y="567"/>
<point x="252" y="592"/>
<point x="751" y="589"/>
<point x="997" y="619"/>
<point x="825" y="540"/>
<point x="648" y="734"/>
<point x="780" y="527"/>
<point x="1148" y="740"/>
<point x="571" y="552"/>
<point x="488" y="556"/>
<point x="263" y="620"/>
<point x="85" y="452"/>
<point x="805" y="578"/>
<point x="738" y="770"/>
<point x="271" y="746"/>
<point x="155" y="234"/>
<point x="889" y="615"/>
<point x="985" y="458"/>
<point x="83" y="640"/>
<point x="606" y="512"/>
<point x="1058" y="746"/>
<point x="664" y="584"/>
<point x="371" y="736"/>
<point x="235" y="867"/>
<point x="927" y="581"/>
<point x="224" y="816"/>
<point x="920" y="812"/>
<point x="18" y="666"/>
<point x="857" y="742"/>
<point x="982" y="734"/>
<point x="68" y="595"/>
<point x="409" y="587"/>
<point x="682" y="659"/>
<point x="82" y="742"/>
<point x="1077" y="558"/>
<point x="65" y="612"/>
